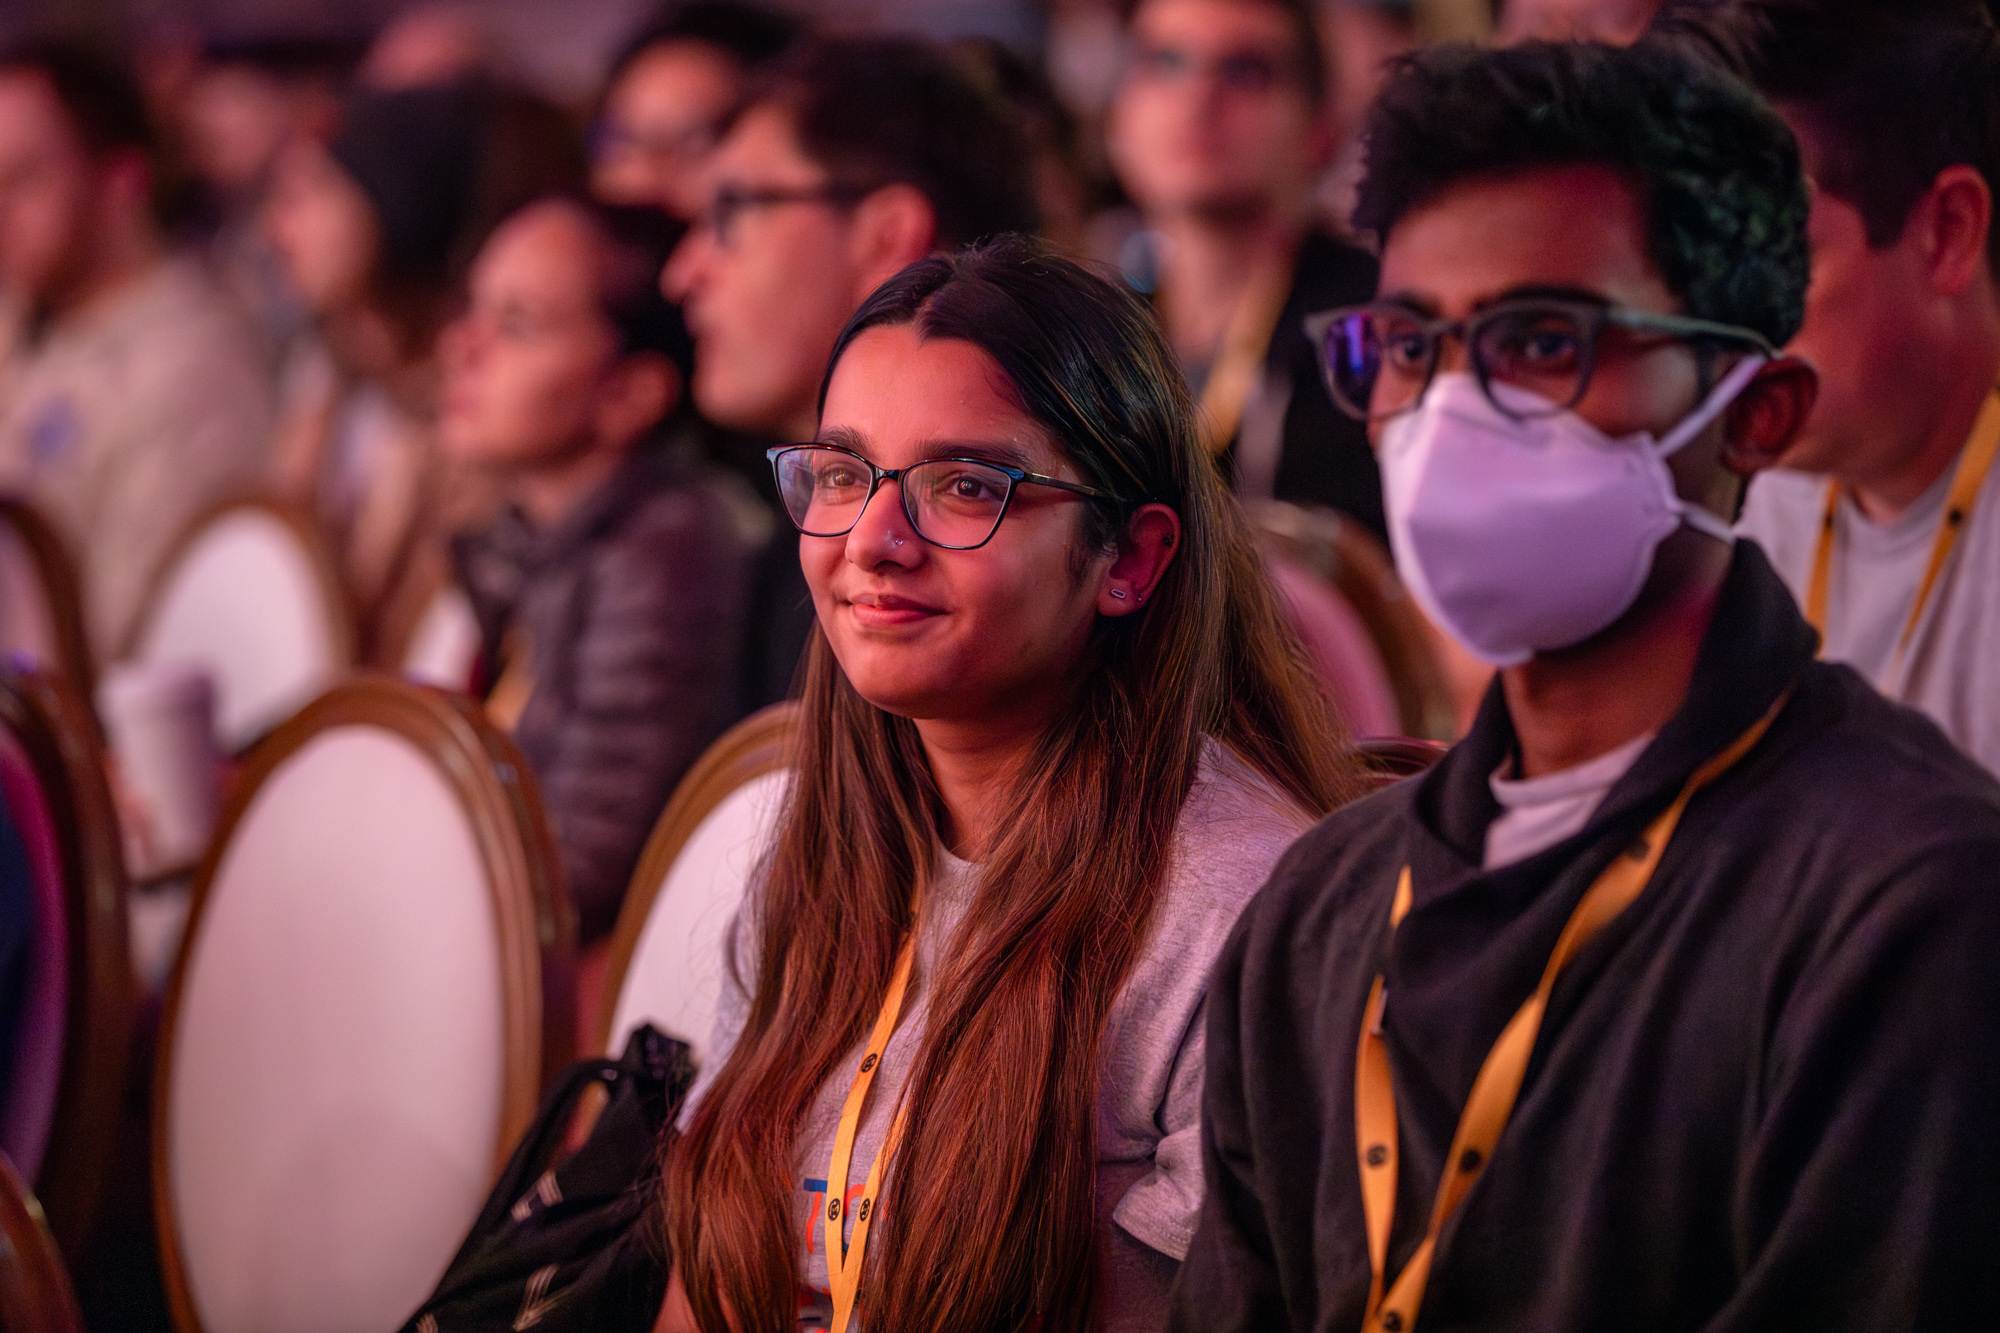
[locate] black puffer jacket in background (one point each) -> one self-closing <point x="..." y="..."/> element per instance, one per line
<point x="633" y="612"/>
<point x="1765" y="1097"/>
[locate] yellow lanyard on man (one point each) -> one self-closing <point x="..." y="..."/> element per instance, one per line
<point x="1975" y="461"/>
<point x="843" y="1258"/>
<point x="1393" y="1308"/>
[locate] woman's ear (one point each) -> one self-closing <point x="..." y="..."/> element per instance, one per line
<point x="1151" y="538"/>
<point x="641" y="391"/>
<point x="1767" y="416"/>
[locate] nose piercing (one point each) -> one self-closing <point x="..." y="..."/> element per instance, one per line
<point x="1119" y="593"/>
<point x="897" y="540"/>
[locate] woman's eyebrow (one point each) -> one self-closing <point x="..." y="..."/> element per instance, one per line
<point x="983" y="450"/>
<point x="844" y="437"/>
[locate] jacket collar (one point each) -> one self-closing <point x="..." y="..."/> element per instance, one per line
<point x="497" y="562"/>
<point x="1754" y="649"/>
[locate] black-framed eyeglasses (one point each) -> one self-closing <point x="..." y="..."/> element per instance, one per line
<point x="1379" y="358"/>
<point x="956" y="503"/>
<point x="731" y="201"/>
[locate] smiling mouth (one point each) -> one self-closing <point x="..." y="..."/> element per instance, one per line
<point x="883" y="609"/>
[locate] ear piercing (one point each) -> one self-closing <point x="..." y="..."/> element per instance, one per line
<point x="1119" y="593"/>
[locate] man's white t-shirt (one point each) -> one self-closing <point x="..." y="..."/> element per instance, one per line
<point x="1951" y="669"/>
<point x="1538" y="813"/>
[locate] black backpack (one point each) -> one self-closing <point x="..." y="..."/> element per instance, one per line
<point x="565" y="1248"/>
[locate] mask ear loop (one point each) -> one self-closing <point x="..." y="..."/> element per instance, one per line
<point x="1719" y="398"/>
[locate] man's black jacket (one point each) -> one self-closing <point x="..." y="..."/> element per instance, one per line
<point x="1767" y="1096"/>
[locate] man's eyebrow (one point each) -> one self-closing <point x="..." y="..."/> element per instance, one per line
<point x="1544" y="292"/>
<point x="1409" y="301"/>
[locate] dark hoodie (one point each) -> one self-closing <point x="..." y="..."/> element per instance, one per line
<point x="1765" y="1097"/>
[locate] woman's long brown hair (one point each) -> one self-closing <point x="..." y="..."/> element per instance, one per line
<point x="988" y="1211"/>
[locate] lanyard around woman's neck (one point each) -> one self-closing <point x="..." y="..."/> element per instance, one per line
<point x="844" y="1258"/>
<point x="1975" y="461"/>
<point x="1394" y="1310"/>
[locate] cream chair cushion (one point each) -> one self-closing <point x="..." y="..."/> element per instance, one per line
<point x="675" y="976"/>
<point x="336" y="1077"/>
<point x="445" y="644"/>
<point x="247" y="601"/>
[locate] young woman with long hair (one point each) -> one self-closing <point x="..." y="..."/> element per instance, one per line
<point x="1054" y="734"/>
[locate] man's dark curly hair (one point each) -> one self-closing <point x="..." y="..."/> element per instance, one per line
<point x="1716" y="170"/>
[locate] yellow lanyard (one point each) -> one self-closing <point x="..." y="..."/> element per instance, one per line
<point x="1499" y="1080"/>
<point x="1240" y="359"/>
<point x="1974" y="462"/>
<point x="843" y="1259"/>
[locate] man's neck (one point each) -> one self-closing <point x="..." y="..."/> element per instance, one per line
<point x="1968" y="373"/>
<point x="1208" y="265"/>
<point x="1570" y="707"/>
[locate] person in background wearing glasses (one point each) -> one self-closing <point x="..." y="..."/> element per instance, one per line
<point x="1885" y="520"/>
<point x="1220" y="132"/>
<point x="1666" y="1000"/>
<point x="670" y="93"/>
<point x="858" y="158"/>
<point x="1053" y="735"/>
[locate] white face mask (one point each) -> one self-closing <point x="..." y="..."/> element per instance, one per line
<point x="1520" y="537"/>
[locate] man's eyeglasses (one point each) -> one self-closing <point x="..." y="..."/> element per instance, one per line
<point x="731" y="201"/>
<point x="1241" y="71"/>
<point x="956" y="503"/>
<point x="1379" y="358"/>
<point x="611" y="139"/>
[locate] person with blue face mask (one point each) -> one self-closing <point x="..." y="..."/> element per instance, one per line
<point x="1665" y="1001"/>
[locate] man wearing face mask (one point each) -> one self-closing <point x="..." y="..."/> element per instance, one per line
<point x="1666" y="1000"/>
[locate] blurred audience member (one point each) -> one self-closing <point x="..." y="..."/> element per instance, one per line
<point x="374" y="231"/>
<point x="1220" y="133"/>
<point x="1615" y="21"/>
<point x="671" y="92"/>
<point x="1067" y="189"/>
<point x="1610" y="1019"/>
<point x="1889" y="529"/>
<point x="859" y="158"/>
<point x="612" y="592"/>
<point x="429" y="46"/>
<point x="245" y="103"/>
<point x="132" y="396"/>
<point x="1361" y="38"/>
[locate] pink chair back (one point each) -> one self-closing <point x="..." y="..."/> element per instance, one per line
<point x="29" y="1105"/>
<point x="82" y="994"/>
<point x="1350" y="667"/>
<point x="1367" y="640"/>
